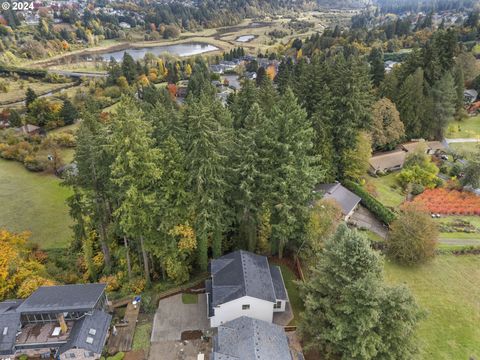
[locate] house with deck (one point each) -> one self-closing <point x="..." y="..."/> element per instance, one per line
<point x="244" y="284"/>
<point x="62" y="322"/>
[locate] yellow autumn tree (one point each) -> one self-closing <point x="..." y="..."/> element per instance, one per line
<point x="20" y="273"/>
<point x="178" y="263"/>
<point x="188" y="70"/>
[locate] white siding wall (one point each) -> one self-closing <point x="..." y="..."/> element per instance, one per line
<point x="284" y="303"/>
<point x="259" y="309"/>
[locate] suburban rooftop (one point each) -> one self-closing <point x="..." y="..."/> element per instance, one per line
<point x="62" y="298"/>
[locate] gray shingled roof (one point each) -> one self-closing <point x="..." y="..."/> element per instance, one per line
<point x="98" y="323"/>
<point x="345" y="198"/>
<point x="241" y="273"/>
<point x="81" y="297"/>
<point x="278" y="283"/>
<point x="250" y="339"/>
<point x="9" y="325"/>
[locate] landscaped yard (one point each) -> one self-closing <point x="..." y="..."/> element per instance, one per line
<point x="387" y="190"/>
<point x="449" y="289"/>
<point x="34" y="202"/>
<point x="143" y="331"/>
<point x="296" y="302"/>
<point x="468" y="128"/>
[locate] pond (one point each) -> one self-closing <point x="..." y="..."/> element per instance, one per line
<point x="186" y="49"/>
<point x="245" y="38"/>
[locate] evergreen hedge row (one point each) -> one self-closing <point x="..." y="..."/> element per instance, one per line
<point x="372" y="204"/>
<point x="23" y="71"/>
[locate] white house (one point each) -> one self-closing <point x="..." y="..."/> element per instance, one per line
<point x="244" y="284"/>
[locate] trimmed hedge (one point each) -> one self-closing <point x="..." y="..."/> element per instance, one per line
<point x="23" y="71"/>
<point x="372" y="204"/>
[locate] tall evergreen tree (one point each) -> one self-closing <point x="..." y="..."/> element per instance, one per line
<point x="349" y="311"/>
<point x="444" y="100"/>
<point x="129" y="68"/>
<point x="208" y="141"/>
<point x="411" y="104"/>
<point x="293" y="172"/>
<point x="377" y="67"/>
<point x="135" y="174"/>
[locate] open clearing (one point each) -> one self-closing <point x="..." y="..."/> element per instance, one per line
<point x="449" y="289"/>
<point x="387" y="190"/>
<point x="17" y="89"/>
<point x="34" y="202"/>
<point x="465" y="147"/>
<point x="468" y="128"/>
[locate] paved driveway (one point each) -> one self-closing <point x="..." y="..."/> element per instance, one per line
<point x="174" y="317"/>
<point x="363" y="218"/>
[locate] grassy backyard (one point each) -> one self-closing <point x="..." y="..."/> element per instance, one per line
<point x="296" y="302"/>
<point x="448" y="288"/>
<point x="387" y="190"/>
<point x="468" y="128"/>
<point x="17" y="89"/>
<point x="465" y="147"/>
<point x="34" y="202"/>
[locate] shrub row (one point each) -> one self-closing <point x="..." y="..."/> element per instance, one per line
<point x="372" y="204"/>
<point x="22" y="71"/>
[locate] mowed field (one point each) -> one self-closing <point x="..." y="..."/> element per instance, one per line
<point x="36" y="203"/>
<point x="17" y="89"/>
<point x="448" y="288"/>
<point x="468" y="128"/>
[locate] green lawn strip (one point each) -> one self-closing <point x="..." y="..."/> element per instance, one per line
<point x="296" y="302"/>
<point x="36" y="203"/>
<point x="373" y="236"/>
<point x="448" y="288"/>
<point x="467" y="147"/>
<point x="388" y="192"/>
<point x="141" y="338"/>
<point x="460" y="235"/>
<point x="189" y="298"/>
<point x="468" y="128"/>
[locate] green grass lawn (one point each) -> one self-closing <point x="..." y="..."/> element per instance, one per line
<point x="18" y="88"/>
<point x="141" y="338"/>
<point x="189" y="298"/>
<point x="388" y="192"/>
<point x="468" y="128"/>
<point x="34" y="202"/>
<point x="465" y="147"/>
<point x="449" y="289"/>
<point x="474" y="220"/>
<point x="296" y="302"/>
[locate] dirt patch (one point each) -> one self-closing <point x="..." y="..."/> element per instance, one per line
<point x="135" y="355"/>
<point x="191" y="335"/>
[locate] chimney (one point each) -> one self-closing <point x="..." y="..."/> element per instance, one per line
<point x="63" y="324"/>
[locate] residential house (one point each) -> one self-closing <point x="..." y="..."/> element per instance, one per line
<point x="244" y="284"/>
<point x="347" y="200"/>
<point x="63" y="322"/>
<point x="28" y="129"/>
<point x="250" y="339"/>
<point x="388" y="161"/>
<point x="470" y="96"/>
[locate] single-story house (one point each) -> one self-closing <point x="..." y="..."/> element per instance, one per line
<point x="244" y="284"/>
<point x="470" y="95"/>
<point x="250" y="339"/>
<point x="388" y="161"/>
<point x="28" y="129"/>
<point x="347" y="200"/>
<point x="62" y="322"/>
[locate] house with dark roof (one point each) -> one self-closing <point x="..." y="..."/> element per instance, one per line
<point x="347" y="200"/>
<point x="250" y="339"/>
<point x="244" y="284"/>
<point x="388" y="161"/>
<point x="63" y="322"/>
